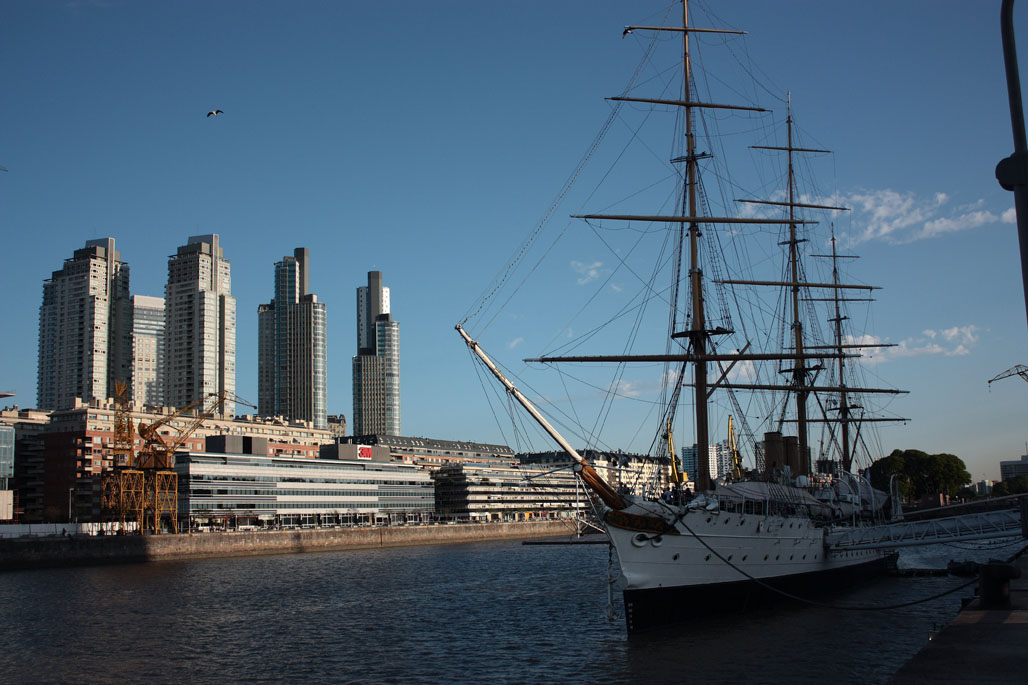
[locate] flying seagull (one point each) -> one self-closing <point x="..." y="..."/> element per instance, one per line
<point x="214" y="113"/>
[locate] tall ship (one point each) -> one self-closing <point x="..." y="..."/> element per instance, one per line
<point x="750" y="344"/>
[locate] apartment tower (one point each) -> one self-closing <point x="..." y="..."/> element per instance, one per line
<point x="84" y="327"/>
<point x="376" y="367"/>
<point x="148" y="350"/>
<point x="291" y="346"/>
<point x="200" y="324"/>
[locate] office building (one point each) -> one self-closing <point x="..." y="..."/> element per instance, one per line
<point x="84" y="327"/>
<point x="148" y="350"/>
<point x="376" y="367"/>
<point x="291" y="349"/>
<point x="235" y="482"/>
<point x="200" y="324"/>
<point x="1013" y="469"/>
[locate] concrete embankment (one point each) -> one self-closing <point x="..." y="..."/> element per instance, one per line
<point x="979" y="646"/>
<point x="81" y="550"/>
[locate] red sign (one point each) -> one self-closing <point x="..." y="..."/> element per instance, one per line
<point x="364" y="452"/>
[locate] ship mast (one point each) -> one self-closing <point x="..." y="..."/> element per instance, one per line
<point x="697" y="333"/>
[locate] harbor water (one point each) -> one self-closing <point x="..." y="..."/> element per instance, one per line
<point x="497" y="611"/>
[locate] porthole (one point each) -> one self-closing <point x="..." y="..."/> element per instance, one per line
<point x="804" y="556"/>
<point x="708" y="519"/>
<point x="707" y="558"/>
<point x="727" y="519"/>
<point x="729" y="557"/>
<point x="674" y="558"/>
<point x="790" y="557"/>
<point x="744" y="557"/>
<point x="777" y="556"/>
<point x="765" y="557"/>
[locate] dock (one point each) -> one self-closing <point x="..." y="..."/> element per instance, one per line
<point x="979" y="645"/>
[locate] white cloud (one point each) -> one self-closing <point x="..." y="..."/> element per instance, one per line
<point x="950" y="342"/>
<point x="903" y="217"/>
<point x="1009" y="216"/>
<point x="514" y="343"/>
<point x="589" y="272"/>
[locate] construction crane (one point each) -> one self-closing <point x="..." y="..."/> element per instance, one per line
<point x="158" y="452"/>
<point x="144" y="485"/>
<point x="1018" y="370"/>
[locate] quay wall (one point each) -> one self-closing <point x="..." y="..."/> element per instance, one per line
<point x="82" y="550"/>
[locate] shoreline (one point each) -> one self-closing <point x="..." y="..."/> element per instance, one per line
<point x="30" y="553"/>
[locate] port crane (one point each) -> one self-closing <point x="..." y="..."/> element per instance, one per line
<point x="1019" y="370"/>
<point x="143" y="485"/>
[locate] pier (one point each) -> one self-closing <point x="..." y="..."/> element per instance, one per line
<point x="981" y="645"/>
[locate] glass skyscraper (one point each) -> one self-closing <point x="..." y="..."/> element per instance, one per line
<point x="376" y="367"/>
<point x="292" y="364"/>
<point x="148" y="350"/>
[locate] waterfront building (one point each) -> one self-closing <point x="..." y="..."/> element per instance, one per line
<point x="84" y="327"/>
<point x="6" y="472"/>
<point x="376" y="367"/>
<point x="236" y="481"/>
<point x="27" y="482"/>
<point x="147" y="350"/>
<point x="431" y="453"/>
<point x="1013" y="469"/>
<point x="481" y="492"/>
<point x="200" y="324"/>
<point x="292" y="350"/>
<point x="637" y="474"/>
<point x="61" y="455"/>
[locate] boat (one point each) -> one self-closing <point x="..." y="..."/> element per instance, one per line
<point x="728" y="536"/>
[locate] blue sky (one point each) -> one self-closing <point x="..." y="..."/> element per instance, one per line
<point x="425" y="140"/>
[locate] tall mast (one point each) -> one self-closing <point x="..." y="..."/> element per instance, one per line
<point x="799" y="371"/>
<point x="844" y="408"/>
<point x="697" y="330"/>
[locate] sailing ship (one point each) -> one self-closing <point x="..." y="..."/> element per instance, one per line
<point x="734" y="536"/>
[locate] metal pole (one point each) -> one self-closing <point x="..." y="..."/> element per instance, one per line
<point x="1012" y="172"/>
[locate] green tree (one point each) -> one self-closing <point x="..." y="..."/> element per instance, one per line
<point x="919" y="473"/>
<point x="1011" y="486"/>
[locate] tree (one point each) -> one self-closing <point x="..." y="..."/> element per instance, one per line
<point x="1011" y="486"/>
<point x="919" y="474"/>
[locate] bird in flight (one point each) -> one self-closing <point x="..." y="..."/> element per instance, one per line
<point x="214" y="113"/>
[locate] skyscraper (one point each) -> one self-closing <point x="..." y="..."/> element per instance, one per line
<point x="376" y="367"/>
<point x="200" y="324"/>
<point x="291" y="346"/>
<point x="148" y="350"/>
<point x="84" y="327"/>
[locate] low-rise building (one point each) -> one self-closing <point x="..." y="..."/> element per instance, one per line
<point x="432" y="453"/>
<point x="632" y="473"/>
<point x="234" y="483"/>
<point x="489" y="492"/>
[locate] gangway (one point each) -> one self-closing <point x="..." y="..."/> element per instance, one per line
<point x="1003" y="523"/>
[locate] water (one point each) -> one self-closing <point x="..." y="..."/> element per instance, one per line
<point x="499" y="611"/>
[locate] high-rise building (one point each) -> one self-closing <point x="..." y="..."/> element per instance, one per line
<point x="148" y="350"/>
<point x="291" y="346"/>
<point x="376" y="367"/>
<point x="200" y="324"/>
<point x="84" y="327"/>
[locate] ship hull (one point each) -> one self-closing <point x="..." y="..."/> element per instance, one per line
<point x="646" y="609"/>
<point x="725" y="561"/>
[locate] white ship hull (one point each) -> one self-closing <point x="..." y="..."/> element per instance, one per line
<point x="721" y="559"/>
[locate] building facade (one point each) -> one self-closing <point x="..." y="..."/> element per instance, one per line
<point x="376" y="367"/>
<point x="272" y="492"/>
<point x="84" y="327"/>
<point x="200" y="324"/>
<point x="1013" y="469"/>
<point x="292" y="347"/>
<point x="478" y="492"/>
<point x="148" y="350"/>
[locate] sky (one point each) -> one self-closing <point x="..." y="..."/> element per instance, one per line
<point x="426" y="140"/>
